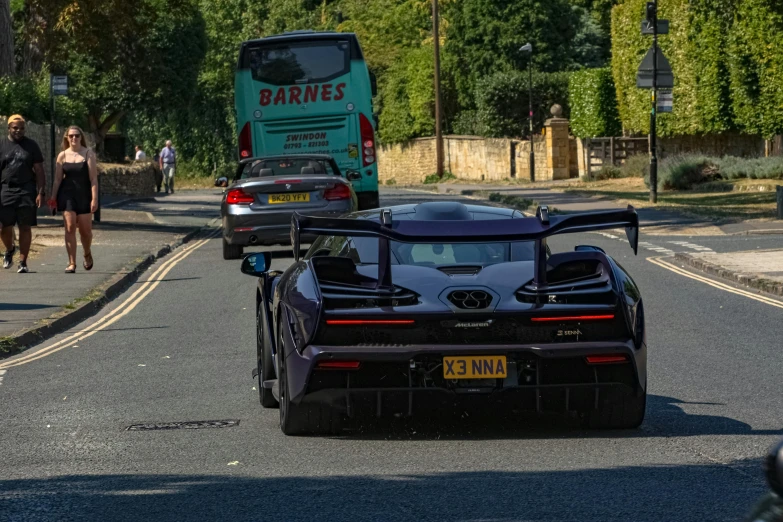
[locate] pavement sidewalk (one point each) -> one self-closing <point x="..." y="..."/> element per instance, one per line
<point x="759" y="269"/>
<point x="130" y="236"/>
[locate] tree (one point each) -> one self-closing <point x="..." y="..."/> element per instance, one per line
<point x="484" y="37"/>
<point x="6" y="39"/>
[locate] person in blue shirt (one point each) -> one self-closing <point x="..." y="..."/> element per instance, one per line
<point x="168" y="162"/>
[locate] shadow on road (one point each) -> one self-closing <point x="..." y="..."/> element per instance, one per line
<point x="643" y="493"/>
<point x="6" y="307"/>
<point x="665" y="417"/>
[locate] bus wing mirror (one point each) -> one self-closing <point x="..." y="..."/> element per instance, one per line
<point x="373" y="84"/>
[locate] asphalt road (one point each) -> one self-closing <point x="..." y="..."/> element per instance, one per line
<point x="185" y="353"/>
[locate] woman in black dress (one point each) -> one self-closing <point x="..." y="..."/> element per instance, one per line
<point x="76" y="191"/>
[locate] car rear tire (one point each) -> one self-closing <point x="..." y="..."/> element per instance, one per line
<point x="266" y="370"/>
<point x="303" y="419"/>
<point x="231" y="251"/>
<point x="617" y="409"/>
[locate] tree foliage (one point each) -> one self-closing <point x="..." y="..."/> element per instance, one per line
<point x="727" y="59"/>
<point x="593" y="101"/>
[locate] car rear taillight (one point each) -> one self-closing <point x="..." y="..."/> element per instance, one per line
<point x="245" y="142"/>
<point x="239" y="197"/>
<point x="606" y="359"/>
<point x="361" y="322"/>
<point x="337" y="192"/>
<point x="338" y="365"/>
<point x="573" y="318"/>
<point x="368" y="140"/>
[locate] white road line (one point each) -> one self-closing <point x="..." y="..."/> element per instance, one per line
<point x="2" y="374"/>
<point x="122" y="310"/>
<point x="721" y="286"/>
<point x="692" y="246"/>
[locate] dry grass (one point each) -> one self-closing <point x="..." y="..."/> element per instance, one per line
<point x="740" y="199"/>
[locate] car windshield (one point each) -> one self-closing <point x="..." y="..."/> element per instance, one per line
<point x="285" y="167"/>
<point x="364" y="250"/>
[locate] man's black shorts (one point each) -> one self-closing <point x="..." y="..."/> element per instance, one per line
<point x="21" y="215"/>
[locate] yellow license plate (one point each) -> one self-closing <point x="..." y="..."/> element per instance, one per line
<point x="294" y="197"/>
<point x="485" y="367"/>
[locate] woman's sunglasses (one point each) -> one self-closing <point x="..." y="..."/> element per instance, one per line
<point x="74" y="136"/>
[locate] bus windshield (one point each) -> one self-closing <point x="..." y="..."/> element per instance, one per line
<point x="300" y="62"/>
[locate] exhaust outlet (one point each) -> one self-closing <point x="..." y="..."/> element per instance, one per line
<point x="253" y="240"/>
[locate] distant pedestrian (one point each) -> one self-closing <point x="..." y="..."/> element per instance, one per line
<point x="140" y="155"/>
<point x="168" y="162"/>
<point x="75" y="193"/>
<point x="159" y="172"/>
<point x="22" y="190"/>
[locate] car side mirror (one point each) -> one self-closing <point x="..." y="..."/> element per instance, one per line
<point x="256" y="264"/>
<point x="353" y="175"/>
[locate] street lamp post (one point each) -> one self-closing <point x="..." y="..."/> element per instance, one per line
<point x="528" y="48"/>
<point x="438" y="108"/>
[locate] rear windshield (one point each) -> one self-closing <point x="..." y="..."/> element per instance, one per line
<point x="364" y="250"/>
<point x="300" y="62"/>
<point x="285" y="167"/>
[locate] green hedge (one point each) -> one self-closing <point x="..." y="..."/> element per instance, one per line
<point x="502" y="102"/>
<point x="593" y="101"/>
<point x="727" y="59"/>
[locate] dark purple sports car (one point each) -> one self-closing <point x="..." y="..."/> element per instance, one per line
<point x="449" y="300"/>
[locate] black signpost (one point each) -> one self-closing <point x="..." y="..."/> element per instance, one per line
<point x="654" y="73"/>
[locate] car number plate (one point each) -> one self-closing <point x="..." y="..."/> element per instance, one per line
<point x="294" y="197"/>
<point x="484" y="367"/>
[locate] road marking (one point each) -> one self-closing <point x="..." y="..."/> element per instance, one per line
<point x="2" y="374"/>
<point x="115" y="315"/>
<point x="721" y="286"/>
<point x="692" y="246"/>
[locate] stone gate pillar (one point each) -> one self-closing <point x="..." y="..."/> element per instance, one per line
<point x="557" y="145"/>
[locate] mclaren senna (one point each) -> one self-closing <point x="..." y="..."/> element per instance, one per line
<point x="450" y="300"/>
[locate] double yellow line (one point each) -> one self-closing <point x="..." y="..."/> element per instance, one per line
<point x="118" y="313"/>
<point x="721" y="286"/>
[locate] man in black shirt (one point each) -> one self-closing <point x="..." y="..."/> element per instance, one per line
<point x="22" y="183"/>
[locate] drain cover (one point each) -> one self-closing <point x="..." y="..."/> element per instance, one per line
<point x="187" y="425"/>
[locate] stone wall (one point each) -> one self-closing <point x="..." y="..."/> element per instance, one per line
<point x="131" y="180"/>
<point x="467" y="157"/>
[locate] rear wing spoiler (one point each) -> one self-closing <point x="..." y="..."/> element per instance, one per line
<point x="537" y="229"/>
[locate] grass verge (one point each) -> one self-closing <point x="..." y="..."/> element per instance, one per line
<point x="722" y="200"/>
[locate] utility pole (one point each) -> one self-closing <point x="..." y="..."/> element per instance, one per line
<point x="438" y="108"/>
<point x="652" y="17"/>
<point x="528" y="48"/>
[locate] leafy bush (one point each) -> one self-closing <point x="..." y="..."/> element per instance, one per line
<point x="754" y="168"/>
<point x="636" y="166"/>
<point x="682" y="172"/>
<point x="433" y="178"/>
<point x="606" y="172"/>
<point x="593" y="101"/>
<point x="391" y="181"/>
<point x="502" y="102"/>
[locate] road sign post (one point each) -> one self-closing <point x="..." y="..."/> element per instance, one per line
<point x="654" y="73"/>
<point x="58" y="86"/>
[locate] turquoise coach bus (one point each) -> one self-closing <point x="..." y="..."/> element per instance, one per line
<point x="308" y="92"/>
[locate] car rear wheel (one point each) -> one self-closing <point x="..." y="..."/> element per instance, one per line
<point x="303" y="419"/>
<point x="617" y="409"/>
<point x="266" y="370"/>
<point x="231" y="251"/>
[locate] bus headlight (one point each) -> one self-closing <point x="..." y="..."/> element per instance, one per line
<point x="349" y="107"/>
<point x="257" y="115"/>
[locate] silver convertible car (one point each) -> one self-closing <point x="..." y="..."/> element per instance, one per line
<point x="258" y="204"/>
